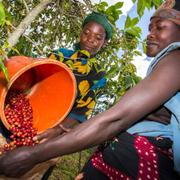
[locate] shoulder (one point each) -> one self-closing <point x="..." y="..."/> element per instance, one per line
<point x="172" y="59"/>
<point x="168" y="69"/>
<point x="174" y="53"/>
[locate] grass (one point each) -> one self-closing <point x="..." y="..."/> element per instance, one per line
<point x="70" y="165"/>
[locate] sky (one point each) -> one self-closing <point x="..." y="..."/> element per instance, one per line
<point x="141" y="62"/>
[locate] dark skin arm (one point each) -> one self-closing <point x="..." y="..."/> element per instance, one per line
<point x="138" y="102"/>
<point x="160" y="115"/>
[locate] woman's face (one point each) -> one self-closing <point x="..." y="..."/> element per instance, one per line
<point x="92" y="37"/>
<point x="161" y="34"/>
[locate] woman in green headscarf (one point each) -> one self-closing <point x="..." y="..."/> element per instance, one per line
<point x="96" y="31"/>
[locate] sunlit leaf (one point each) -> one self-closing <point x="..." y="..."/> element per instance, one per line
<point x="156" y="2"/>
<point x="2" y="14"/>
<point x="149" y="4"/>
<point x="119" y="5"/>
<point x="4" y="69"/>
<point x="105" y="4"/>
<point x="135" y="31"/>
<point x="134" y="21"/>
<point x="140" y="7"/>
<point x="128" y="22"/>
<point x="138" y="53"/>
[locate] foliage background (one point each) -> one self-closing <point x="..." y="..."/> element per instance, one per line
<point x="58" y="24"/>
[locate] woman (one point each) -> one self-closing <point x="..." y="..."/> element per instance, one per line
<point x="96" y="31"/>
<point x="140" y="149"/>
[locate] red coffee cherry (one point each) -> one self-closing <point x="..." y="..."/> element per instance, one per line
<point x="19" y="115"/>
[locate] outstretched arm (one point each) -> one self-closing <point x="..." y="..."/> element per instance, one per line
<point x="148" y="95"/>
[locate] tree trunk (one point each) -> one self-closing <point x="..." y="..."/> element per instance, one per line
<point x="14" y="36"/>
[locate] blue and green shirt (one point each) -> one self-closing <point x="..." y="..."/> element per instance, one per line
<point x="89" y="77"/>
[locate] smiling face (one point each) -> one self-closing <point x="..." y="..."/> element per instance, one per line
<point x="161" y="34"/>
<point x="92" y="37"/>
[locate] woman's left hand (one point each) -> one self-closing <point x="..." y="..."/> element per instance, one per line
<point x="17" y="162"/>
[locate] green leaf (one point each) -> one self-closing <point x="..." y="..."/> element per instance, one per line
<point x="144" y="47"/>
<point x="136" y="78"/>
<point x="119" y="5"/>
<point x="4" y="70"/>
<point x="102" y="6"/>
<point x="111" y="19"/>
<point x="134" y="21"/>
<point x="138" y="53"/>
<point x="128" y="82"/>
<point x="112" y="72"/>
<point x="19" y="1"/>
<point x="9" y="17"/>
<point x="128" y="22"/>
<point x="131" y="22"/>
<point x="2" y="14"/>
<point x="140" y="7"/>
<point x="148" y="4"/>
<point x="113" y="12"/>
<point x="110" y="10"/>
<point x="156" y="2"/>
<point x="104" y="3"/>
<point x="135" y="31"/>
<point x="133" y="1"/>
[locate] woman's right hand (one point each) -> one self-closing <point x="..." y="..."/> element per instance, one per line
<point x="50" y="133"/>
<point x="60" y="129"/>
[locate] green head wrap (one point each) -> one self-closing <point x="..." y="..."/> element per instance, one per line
<point x="100" y="19"/>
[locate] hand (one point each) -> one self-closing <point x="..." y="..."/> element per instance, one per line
<point x="79" y="176"/>
<point x="17" y="162"/>
<point x="51" y="133"/>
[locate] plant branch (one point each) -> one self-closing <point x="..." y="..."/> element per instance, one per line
<point x="25" y="4"/>
<point x="14" y="36"/>
<point x="30" y="40"/>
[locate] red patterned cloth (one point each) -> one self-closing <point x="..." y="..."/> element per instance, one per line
<point x="131" y="157"/>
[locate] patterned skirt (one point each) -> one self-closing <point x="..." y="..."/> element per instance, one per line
<point x="132" y="157"/>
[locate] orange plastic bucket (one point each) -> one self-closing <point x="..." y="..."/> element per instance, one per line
<point x="51" y="88"/>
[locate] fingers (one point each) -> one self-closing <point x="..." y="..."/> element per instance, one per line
<point x="41" y="136"/>
<point x="79" y="176"/>
<point x="51" y="133"/>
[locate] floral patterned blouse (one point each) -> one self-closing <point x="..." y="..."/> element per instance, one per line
<point x="89" y="77"/>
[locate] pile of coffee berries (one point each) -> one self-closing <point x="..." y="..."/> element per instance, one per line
<point x="19" y="115"/>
